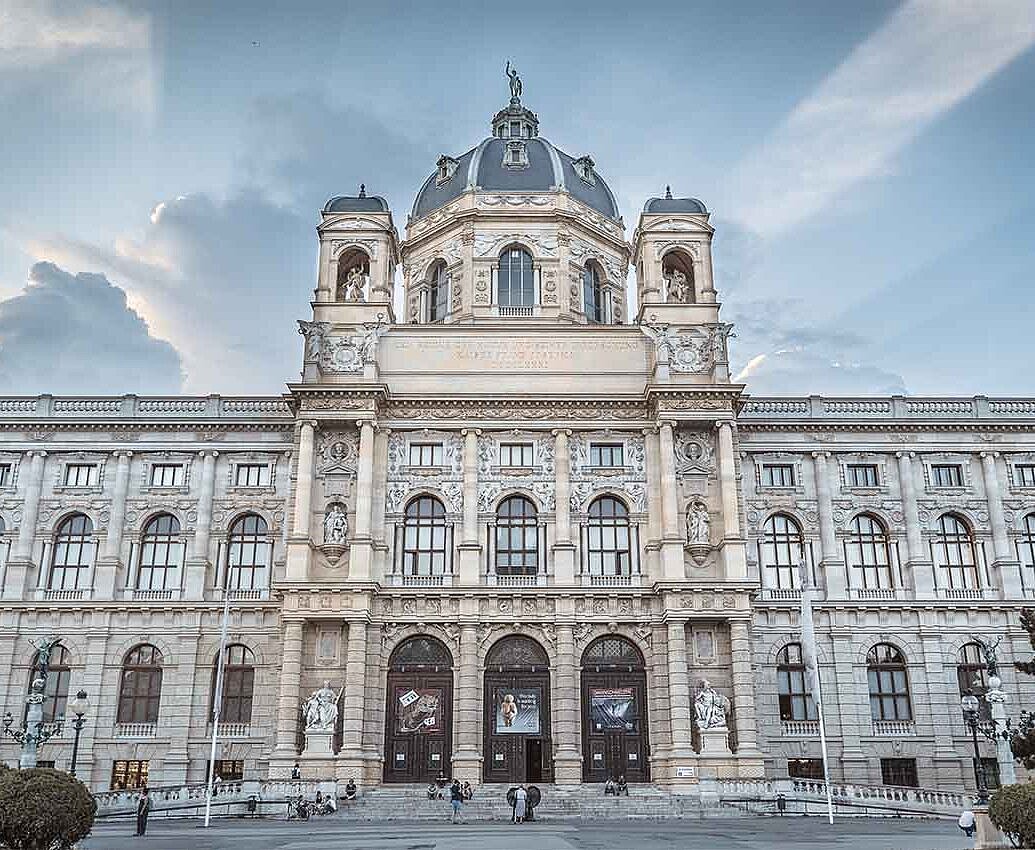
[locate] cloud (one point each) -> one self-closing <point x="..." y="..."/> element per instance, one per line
<point x="927" y="57"/>
<point x="93" y="53"/>
<point x="76" y="334"/>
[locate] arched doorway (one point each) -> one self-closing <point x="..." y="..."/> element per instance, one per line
<point x="419" y="713"/>
<point x="517" y="712"/>
<point x="614" y="711"/>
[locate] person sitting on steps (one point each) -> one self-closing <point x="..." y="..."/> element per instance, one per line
<point x="351" y="790"/>
<point x="623" y="787"/>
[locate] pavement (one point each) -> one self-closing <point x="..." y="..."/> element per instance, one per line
<point x="338" y="833"/>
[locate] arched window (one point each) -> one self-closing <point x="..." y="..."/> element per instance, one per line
<point x="517" y="537"/>
<point x="73" y="554"/>
<point x="612" y="653"/>
<point x="247" y="553"/>
<point x="161" y="554"/>
<point x="782" y="549"/>
<point x="1026" y="546"/>
<point x="889" y="685"/>
<point x="869" y="553"/>
<point x="677" y="268"/>
<point x="955" y="554"/>
<point x="238" y="684"/>
<point x="353" y="273"/>
<point x="607" y="538"/>
<point x="141" y="689"/>
<point x="515" y="284"/>
<point x="424" y="539"/>
<point x="795" y="697"/>
<point x="592" y="294"/>
<point x="55" y="693"/>
<point x="438" y="293"/>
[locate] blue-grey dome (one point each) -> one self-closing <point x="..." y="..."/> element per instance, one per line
<point x="668" y="204"/>
<point x="547" y="169"/>
<point x="361" y="203"/>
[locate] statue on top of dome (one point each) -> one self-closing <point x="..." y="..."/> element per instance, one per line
<point x="515" y="82"/>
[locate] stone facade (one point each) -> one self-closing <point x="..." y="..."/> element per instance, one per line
<point x="559" y="522"/>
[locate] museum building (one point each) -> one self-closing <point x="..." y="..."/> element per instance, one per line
<point x="515" y="533"/>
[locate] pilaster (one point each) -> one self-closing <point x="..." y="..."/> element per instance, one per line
<point x="673" y="566"/>
<point x="744" y="696"/>
<point x="831" y="562"/>
<point x="567" y="758"/>
<point x="920" y="566"/>
<point x="198" y="564"/>
<point x="20" y="562"/>
<point x="470" y="550"/>
<point x="289" y="706"/>
<point x="1006" y="567"/>
<point x="467" y="757"/>
<point x="564" y="546"/>
<point x="360" y="553"/>
<point x="176" y="711"/>
<point x="108" y="566"/>
<point x="299" y="548"/>
<point x="680" y="707"/>
<point x="734" y="555"/>
<point x="351" y="755"/>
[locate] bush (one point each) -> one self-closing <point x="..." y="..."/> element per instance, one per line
<point x="43" y="809"/>
<point x="1013" y="810"/>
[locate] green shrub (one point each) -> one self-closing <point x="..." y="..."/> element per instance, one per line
<point x="1013" y="810"/>
<point x="43" y="809"/>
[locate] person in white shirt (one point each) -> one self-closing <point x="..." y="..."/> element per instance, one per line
<point x="966" y="823"/>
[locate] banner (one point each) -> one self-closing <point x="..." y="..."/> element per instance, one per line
<point x="418" y="710"/>
<point x="517" y="711"/>
<point x="612" y="708"/>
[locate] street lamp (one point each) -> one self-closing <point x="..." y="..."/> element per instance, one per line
<point x="970" y="704"/>
<point x="79" y="706"/>
<point x="35" y="732"/>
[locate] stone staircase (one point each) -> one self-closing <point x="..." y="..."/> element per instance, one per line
<point x="579" y="802"/>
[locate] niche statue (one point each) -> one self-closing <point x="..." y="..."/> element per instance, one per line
<point x="335" y="525"/>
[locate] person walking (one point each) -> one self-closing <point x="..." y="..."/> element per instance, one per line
<point x="520" y="802"/>
<point x="966" y="823"/>
<point x="143" y="810"/>
<point x="456" y="800"/>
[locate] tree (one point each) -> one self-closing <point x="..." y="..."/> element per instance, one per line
<point x="43" y="809"/>
<point x="1013" y="810"/>
<point x="1023" y="741"/>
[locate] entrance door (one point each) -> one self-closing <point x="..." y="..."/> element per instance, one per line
<point x="614" y="712"/>
<point x="418" y="716"/>
<point x="517" y="713"/>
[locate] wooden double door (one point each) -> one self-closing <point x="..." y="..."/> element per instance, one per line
<point x="614" y="726"/>
<point x="518" y="747"/>
<point x="418" y="725"/>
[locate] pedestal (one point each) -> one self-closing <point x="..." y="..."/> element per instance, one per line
<point x="318" y="743"/>
<point x="715" y="742"/>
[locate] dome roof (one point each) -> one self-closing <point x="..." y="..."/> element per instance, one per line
<point x="547" y="169"/>
<point x="668" y="204"/>
<point x="359" y="203"/>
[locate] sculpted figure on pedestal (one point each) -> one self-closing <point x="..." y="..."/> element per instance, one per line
<point x="710" y="707"/>
<point x="676" y="289"/>
<point x="335" y="525"/>
<point x="515" y="81"/>
<point x="321" y="709"/>
<point x="698" y="523"/>
<point x="354" y="284"/>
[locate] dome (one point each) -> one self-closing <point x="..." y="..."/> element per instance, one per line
<point x="544" y="169"/>
<point x="668" y="204"/>
<point x="359" y="203"/>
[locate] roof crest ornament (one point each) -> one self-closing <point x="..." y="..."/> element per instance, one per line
<point x="515" y="84"/>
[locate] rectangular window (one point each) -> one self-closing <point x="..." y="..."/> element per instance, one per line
<point x="946" y="475"/>
<point x="991" y="769"/>
<point x="166" y="475"/>
<point x="1023" y="472"/>
<point x="863" y="475"/>
<point x="805" y="768"/>
<point x="81" y="475"/>
<point x="606" y="454"/>
<point x="425" y="454"/>
<point x="5" y="474"/>
<point x="515" y="129"/>
<point x="901" y="772"/>
<point x="515" y="454"/>
<point x="128" y="774"/>
<point x="777" y="475"/>
<point x="252" y="475"/>
<point x="228" y="770"/>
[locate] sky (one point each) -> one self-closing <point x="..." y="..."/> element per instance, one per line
<point x="868" y="166"/>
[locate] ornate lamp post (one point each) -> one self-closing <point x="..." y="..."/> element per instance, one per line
<point x="971" y="704"/>
<point x="79" y="706"/>
<point x="35" y="732"/>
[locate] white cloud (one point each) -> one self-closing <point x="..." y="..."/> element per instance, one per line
<point x="76" y="334"/>
<point x="94" y="52"/>
<point x="927" y="57"/>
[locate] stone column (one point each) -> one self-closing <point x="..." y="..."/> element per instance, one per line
<point x="175" y="713"/>
<point x="289" y="700"/>
<point x="467" y="759"/>
<point x="470" y="549"/>
<point x="20" y="562"/>
<point x="672" y="562"/>
<point x="680" y="704"/>
<point x="652" y="543"/>
<point x="110" y="562"/>
<point x="1005" y="565"/>
<point x="831" y="563"/>
<point x="380" y="566"/>
<point x="744" y="699"/>
<point x="360" y="554"/>
<point x="919" y="565"/>
<point x="734" y="556"/>
<point x="564" y="545"/>
<point x="352" y="716"/>
<point x="198" y="564"/>
<point x="304" y="481"/>
<point x="567" y="758"/>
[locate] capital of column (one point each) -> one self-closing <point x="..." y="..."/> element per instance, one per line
<point x="556" y="432"/>
<point x="36" y="453"/>
<point x="123" y="453"/>
<point x="476" y="431"/>
<point x="901" y="455"/>
<point x="208" y="453"/>
<point x="726" y="423"/>
<point x="820" y="455"/>
<point x="989" y="455"/>
<point x="365" y="423"/>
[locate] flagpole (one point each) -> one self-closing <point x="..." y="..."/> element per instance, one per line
<point x="217" y="705"/>
<point x="808" y="643"/>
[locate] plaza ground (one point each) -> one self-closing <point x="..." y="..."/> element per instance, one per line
<point x="748" y="833"/>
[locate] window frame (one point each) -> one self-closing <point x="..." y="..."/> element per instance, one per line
<point x="950" y="549"/>
<point x="852" y="471"/>
<point x="780" y="533"/>
<point x="159" y="469"/>
<point x="93" y="475"/>
<point x="243" y="540"/>
<point x="58" y="683"/>
<point x="519" y="535"/>
<point x="167" y="541"/>
<point x="868" y="553"/>
<point x="1026" y="549"/>
<point x="609" y="537"/>
<point x="899" y="766"/>
<point x="238" y="685"/>
<point x="426" y="538"/>
<point x="140" y="697"/>
<point x="794" y="698"/>
<point x="506" y="455"/>
<point x="1024" y="475"/>
<point x="138" y="769"/>
<point x="438" y="293"/>
<point x="79" y="541"/>
<point x="433" y="451"/>
<point x="768" y="479"/>
<point x="526" y="278"/>
<point x="957" y="478"/>
<point x="610" y="451"/>
<point x="887" y="678"/>
<point x="593" y="294"/>
<point x="263" y="468"/>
